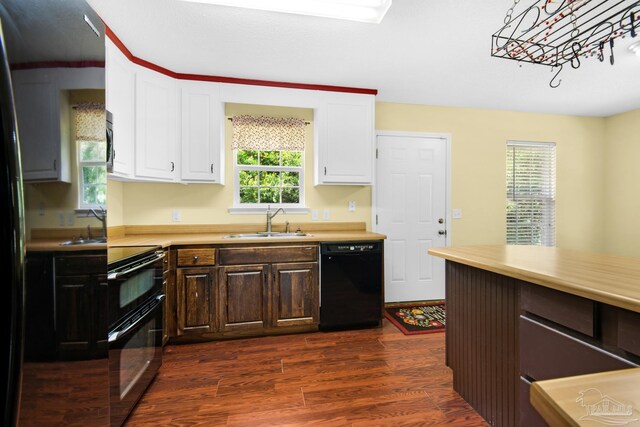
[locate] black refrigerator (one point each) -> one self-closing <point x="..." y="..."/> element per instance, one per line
<point x="12" y="291"/>
<point x="51" y="375"/>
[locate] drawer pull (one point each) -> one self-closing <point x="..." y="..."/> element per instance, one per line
<point x="195" y="258"/>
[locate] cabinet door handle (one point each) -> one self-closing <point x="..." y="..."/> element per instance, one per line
<point x="173" y="166"/>
<point x="211" y="167"/>
<point x="196" y="294"/>
<point x="55" y="166"/>
<point x="325" y="170"/>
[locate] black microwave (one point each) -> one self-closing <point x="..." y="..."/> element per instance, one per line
<point x="110" y="151"/>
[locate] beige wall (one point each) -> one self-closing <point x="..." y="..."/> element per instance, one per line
<point x="147" y="203"/>
<point x="622" y="179"/>
<point x="593" y="213"/>
<point x="478" y="150"/>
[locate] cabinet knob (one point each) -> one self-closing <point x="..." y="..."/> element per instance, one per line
<point x="195" y="258"/>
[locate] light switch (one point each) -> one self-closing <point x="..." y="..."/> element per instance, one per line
<point x="314" y="215"/>
<point x="175" y="215"/>
<point x="325" y="215"/>
<point x="456" y="213"/>
<point x="352" y="205"/>
<point x="70" y="217"/>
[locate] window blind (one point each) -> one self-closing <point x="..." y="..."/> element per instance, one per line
<point x="531" y="193"/>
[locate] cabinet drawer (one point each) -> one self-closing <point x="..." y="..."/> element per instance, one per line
<point x="547" y="353"/>
<point x="560" y="307"/>
<point x="629" y="331"/>
<point x="72" y="265"/>
<point x="196" y="256"/>
<point x="271" y="254"/>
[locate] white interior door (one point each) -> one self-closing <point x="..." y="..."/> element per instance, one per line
<point x="411" y="207"/>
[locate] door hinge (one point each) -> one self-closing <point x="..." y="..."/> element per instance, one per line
<point x="376" y="219"/>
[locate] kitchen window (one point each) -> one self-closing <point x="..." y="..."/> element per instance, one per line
<point x="91" y="148"/>
<point x="269" y="177"/>
<point x="531" y="193"/>
<point x="269" y="163"/>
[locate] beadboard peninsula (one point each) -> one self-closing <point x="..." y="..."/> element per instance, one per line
<point x="523" y="315"/>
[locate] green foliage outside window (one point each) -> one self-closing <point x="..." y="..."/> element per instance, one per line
<point x="269" y="177"/>
<point x="93" y="173"/>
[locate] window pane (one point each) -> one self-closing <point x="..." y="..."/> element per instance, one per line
<point x="290" y="179"/>
<point x="291" y="158"/>
<point x="290" y="195"/>
<point x="247" y="157"/>
<point x="248" y="178"/>
<point x="248" y="195"/>
<point x="94" y="194"/>
<point x="92" y="151"/>
<point x="94" y="174"/>
<point x="270" y="179"/>
<point x="270" y="158"/>
<point x="269" y="195"/>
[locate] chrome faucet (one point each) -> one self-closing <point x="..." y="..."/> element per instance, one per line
<point x="270" y="216"/>
<point x="102" y="217"/>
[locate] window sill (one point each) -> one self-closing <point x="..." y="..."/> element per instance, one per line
<point x="261" y="210"/>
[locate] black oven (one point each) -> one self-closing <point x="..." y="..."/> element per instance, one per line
<point x="135" y="325"/>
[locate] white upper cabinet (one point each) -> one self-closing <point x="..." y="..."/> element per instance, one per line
<point x="44" y="118"/>
<point x="202" y="144"/>
<point x="44" y="154"/>
<point x="344" y="147"/>
<point x="120" y="101"/>
<point x="156" y="117"/>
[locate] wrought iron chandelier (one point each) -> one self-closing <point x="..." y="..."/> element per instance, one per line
<point x="557" y="32"/>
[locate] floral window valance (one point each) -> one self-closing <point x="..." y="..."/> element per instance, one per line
<point x="268" y="133"/>
<point x="90" y="122"/>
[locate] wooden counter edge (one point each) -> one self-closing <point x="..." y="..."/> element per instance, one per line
<point x="548" y="408"/>
<point x="551" y="408"/>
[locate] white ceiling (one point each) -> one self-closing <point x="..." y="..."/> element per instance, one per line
<point x="434" y="52"/>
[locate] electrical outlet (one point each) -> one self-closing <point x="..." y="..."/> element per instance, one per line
<point x="176" y="216"/>
<point x="70" y="217"/>
<point x="314" y="215"/>
<point x="41" y="209"/>
<point x="61" y="219"/>
<point x="325" y="215"/>
<point x="456" y="213"/>
<point x="352" y="205"/>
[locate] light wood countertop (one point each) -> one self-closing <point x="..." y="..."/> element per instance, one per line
<point x="213" y="234"/>
<point x="166" y="240"/>
<point x="609" y="279"/>
<point x="564" y="401"/>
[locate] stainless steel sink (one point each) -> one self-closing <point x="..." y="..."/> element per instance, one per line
<point x="265" y="234"/>
<point x="83" y="241"/>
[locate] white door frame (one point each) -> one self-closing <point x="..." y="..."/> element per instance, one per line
<point x="446" y="139"/>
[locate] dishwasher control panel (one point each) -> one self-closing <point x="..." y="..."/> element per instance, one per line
<point x="348" y="247"/>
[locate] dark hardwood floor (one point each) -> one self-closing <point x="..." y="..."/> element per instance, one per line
<point x="370" y="377"/>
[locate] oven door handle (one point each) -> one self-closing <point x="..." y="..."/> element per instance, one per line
<point x="113" y="336"/>
<point x="118" y="274"/>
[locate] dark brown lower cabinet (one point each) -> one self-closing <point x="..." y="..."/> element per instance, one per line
<point x="195" y="300"/>
<point x="295" y="294"/>
<point x="244" y="297"/>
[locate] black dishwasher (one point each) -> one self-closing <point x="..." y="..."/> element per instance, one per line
<point x="351" y="278"/>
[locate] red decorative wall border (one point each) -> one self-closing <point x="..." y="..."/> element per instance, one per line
<point x="220" y="79"/>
